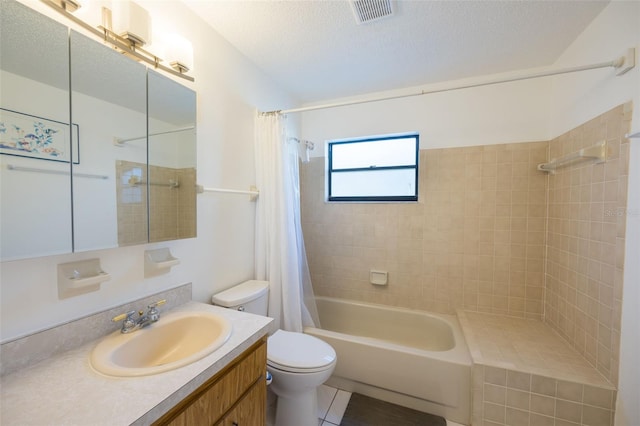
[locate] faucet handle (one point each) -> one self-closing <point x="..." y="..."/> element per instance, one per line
<point x="156" y="304"/>
<point x="152" y="312"/>
<point x="126" y="316"/>
<point x="128" y="324"/>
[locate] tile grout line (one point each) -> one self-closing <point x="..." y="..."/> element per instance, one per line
<point x="343" y="411"/>
<point x="330" y="404"/>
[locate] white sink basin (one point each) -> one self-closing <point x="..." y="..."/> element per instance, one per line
<point x="177" y="339"/>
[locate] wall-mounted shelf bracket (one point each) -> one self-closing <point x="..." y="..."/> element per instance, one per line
<point x="627" y="61"/>
<point x="80" y="277"/>
<point x="158" y="261"/>
<point x="598" y="153"/>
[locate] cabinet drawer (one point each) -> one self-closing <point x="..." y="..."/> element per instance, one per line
<point x="213" y="399"/>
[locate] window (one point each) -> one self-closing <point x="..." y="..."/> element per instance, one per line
<point x="373" y="169"/>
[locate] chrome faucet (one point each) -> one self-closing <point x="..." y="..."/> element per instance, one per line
<point x="131" y="324"/>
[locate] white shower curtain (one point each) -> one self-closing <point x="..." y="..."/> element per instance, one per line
<point x="279" y="248"/>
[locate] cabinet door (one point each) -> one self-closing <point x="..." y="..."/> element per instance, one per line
<point x="35" y="135"/>
<point x="213" y="400"/>
<point x="251" y="409"/>
<point x="108" y="102"/>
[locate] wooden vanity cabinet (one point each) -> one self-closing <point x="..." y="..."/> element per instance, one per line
<point x="236" y="396"/>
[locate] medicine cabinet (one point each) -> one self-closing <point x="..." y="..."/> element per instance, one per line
<point x="96" y="150"/>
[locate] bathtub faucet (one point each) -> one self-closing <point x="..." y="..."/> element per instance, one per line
<point x="130" y="324"/>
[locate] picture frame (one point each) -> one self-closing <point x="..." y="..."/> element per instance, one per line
<point x="25" y="135"/>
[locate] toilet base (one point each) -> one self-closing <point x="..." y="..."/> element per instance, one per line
<point x="298" y="410"/>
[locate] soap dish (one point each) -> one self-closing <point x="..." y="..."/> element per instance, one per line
<point x="159" y="261"/>
<point x="84" y="276"/>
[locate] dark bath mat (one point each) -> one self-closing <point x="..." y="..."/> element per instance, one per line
<point x="365" y="411"/>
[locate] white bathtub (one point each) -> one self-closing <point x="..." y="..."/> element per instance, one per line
<point x="412" y="358"/>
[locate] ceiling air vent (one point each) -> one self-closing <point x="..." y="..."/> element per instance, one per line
<point x="371" y="10"/>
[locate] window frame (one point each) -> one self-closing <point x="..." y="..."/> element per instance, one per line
<point x="375" y="198"/>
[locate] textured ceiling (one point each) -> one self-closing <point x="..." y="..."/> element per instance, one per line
<point x="315" y="49"/>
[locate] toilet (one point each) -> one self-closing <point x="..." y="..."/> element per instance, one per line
<point x="298" y="363"/>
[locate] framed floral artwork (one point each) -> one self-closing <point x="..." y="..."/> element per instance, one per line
<point x="25" y="135"/>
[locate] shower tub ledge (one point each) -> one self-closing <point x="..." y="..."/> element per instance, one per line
<point x="527" y="357"/>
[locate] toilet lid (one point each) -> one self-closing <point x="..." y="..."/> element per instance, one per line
<point x="298" y="352"/>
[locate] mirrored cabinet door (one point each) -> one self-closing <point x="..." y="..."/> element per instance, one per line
<point x="109" y="104"/>
<point x="172" y="159"/>
<point x="36" y="152"/>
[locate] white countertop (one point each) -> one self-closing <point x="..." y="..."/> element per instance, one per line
<point x="66" y="390"/>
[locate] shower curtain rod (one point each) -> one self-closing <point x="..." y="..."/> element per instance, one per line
<point x="623" y="64"/>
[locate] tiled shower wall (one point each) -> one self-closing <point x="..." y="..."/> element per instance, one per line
<point x="586" y="232"/>
<point x="131" y="203"/>
<point x="475" y="240"/>
<point x="172" y="211"/>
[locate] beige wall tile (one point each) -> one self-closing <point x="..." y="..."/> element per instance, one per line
<point x="594" y="416"/>
<point x="518" y="380"/>
<point x="468" y="205"/>
<point x="518" y="399"/>
<point x="515" y="417"/>
<point x="543" y="405"/>
<point x="495" y="394"/>
<point x="568" y="410"/>
<point x="594" y="253"/>
<point x="599" y="397"/>
<point x="570" y="391"/>
<point x="543" y="385"/>
<point x="494" y="413"/>
<point x="540" y="420"/>
<point x="497" y="376"/>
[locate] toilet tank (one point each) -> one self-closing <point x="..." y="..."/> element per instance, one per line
<point x="249" y="296"/>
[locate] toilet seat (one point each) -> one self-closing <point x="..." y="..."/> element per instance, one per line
<point x="299" y="353"/>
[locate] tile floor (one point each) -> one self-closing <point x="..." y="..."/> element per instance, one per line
<point x="332" y="403"/>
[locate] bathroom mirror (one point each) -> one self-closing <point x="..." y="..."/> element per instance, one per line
<point x="172" y="159"/>
<point x="109" y="102"/>
<point x="77" y="163"/>
<point x="35" y="136"/>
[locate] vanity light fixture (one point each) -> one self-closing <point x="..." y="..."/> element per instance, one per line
<point x="127" y="27"/>
<point x="131" y="22"/>
<point x="180" y="53"/>
<point x="68" y="5"/>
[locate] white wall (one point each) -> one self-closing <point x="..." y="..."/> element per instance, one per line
<point x="503" y="113"/>
<point x="582" y="96"/>
<point x="229" y="89"/>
